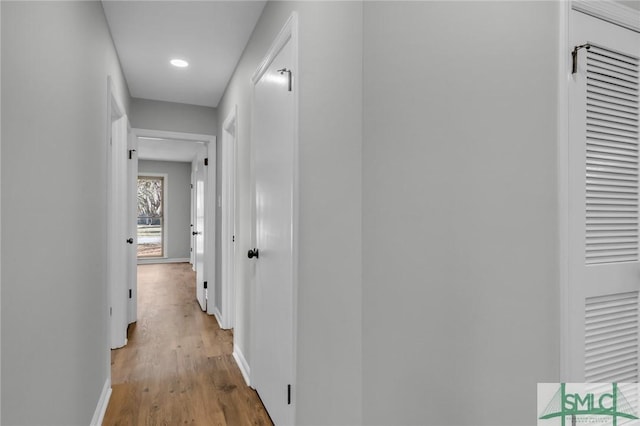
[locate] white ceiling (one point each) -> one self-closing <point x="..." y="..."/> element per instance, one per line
<point x="210" y="35"/>
<point x="168" y="149"/>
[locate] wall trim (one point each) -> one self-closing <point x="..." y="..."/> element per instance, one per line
<point x="103" y="403"/>
<point x="163" y="260"/>
<point x="616" y="13"/>
<point x="243" y="365"/>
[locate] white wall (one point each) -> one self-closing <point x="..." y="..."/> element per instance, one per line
<point x="0" y="218"/>
<point x="173" y="117"/>
<point x="635" y="4"/>
<point x="178" y="190"/>
<point x="460" y="270"/>
<point x="55" y="359"/>
<point x="328" y="388"/>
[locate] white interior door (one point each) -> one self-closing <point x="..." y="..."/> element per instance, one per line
<point x="210" y="225"/>
<point x="273" y="143"/>
<point x="199" y="231"/>
<point x="228" y="237"/>
<point x="604" y="272"/>
<point x="118" y="232"/>
<point x="132" y="223"/>
<point x="192" y="254"/>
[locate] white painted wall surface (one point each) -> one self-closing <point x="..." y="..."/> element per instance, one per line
<point x="634" y="4"/>
<point x="173" y="117"/>
<point x="178" y="237"/>
<point x="55" y="359"/>
<point x="460" y="271"/>
<point x="328" y="388"/>
<point x="0" y="218"/>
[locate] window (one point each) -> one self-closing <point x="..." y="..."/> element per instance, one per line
<point x="151" y="216"/>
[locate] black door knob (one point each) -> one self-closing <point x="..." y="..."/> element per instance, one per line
<point x="130" y="240"/>
<point x="194" y="233"/>
<point x="253" y="253"/>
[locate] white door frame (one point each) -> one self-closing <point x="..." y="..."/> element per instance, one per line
<point x="228" y="220"/>
<point x="117" y="226"/>
<point x="210" y="193"/>
<point x="289" y="32"/>
<point x="618" y="14"/>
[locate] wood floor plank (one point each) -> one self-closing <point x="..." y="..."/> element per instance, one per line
<point x="177" y="368"/>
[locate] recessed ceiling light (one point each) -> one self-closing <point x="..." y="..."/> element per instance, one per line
<point x="180" y="63"/>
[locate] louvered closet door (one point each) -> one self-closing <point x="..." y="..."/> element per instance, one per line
<point x="604" y="269"/>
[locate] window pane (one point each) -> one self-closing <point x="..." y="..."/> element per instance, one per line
<point x="150" y="216"/>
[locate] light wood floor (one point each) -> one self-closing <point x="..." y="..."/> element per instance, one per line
<point x="177" y="367"/>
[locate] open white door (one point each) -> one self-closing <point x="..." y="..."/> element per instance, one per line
<point x="117" y="227"/>
<point x="192" y="254"/>
<point x="604" y="267"/>
<point x="274" y="142"/>
<point x="198" y="231"/>
<point x="132" y="222"/>
<point x="228" y="228"/>
<point x="210" y="226"/>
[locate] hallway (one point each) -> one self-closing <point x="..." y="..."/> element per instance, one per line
<point x="177" y="367"/>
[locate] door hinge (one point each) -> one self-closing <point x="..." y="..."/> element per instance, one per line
<point x="288" y="394"/>
<point x="131" y="151"/>
<point x="574" y="56"/>
<point x="288" y="71"/>
<point x="233" y="239"/>
<point x="110" y="311"/>
<point x="205" y="285"/>
<point x="206" y="161"/>
<point x="191" y="188"/>
<point x="130" y="293"/>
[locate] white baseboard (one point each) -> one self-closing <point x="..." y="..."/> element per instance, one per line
<point x="103" y="402"/>
<point x="218" y="315"/>
<point x="163" y="260"/>
<point x="242" y="364"/>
